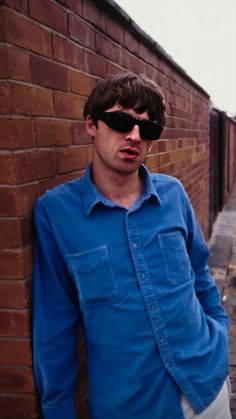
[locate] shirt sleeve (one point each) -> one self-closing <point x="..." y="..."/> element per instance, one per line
<point x="55" y="324"/>
<point x="205" y="286"/>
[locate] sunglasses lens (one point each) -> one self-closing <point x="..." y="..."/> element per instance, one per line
<point x="150" y="130"/>
<point x="122" y="122"/>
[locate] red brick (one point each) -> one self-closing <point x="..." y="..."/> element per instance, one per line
<point x="163" y="158"/>
<point x="15" y="352"/>
<point x="7" y="169"/>
<point x="82" y="410"/>
<point x="159" y="147"/>
<point x="151" y="162"/>
<point x="27" y="34"/>
<point x="9" y="233"/>
<point x="167" y="169"/>
<point x="163" y="81"/>
<point x="125" y="58"/>
<point x="16" y="264"/>
<point x="136" y="65"/>
<point x="49" y="74"/>
<point x="81" y="83"/>
<point x="15" y="294"/>
<point x="164" y="68"/>
<point x="68" y="105"/>
<point x="16" y="380"/>
<point x="81" y="32"/>
<point x="18" y="406"/>
<point x="15" y="232"/>
<point x="2" y="26"/>
<point x="26" y="230"/>
<point x="49" y="13"/>
<point x="105" y="47"/>
<point x="74" y="5"/>
<point x="27" y="262"/>
<point x="113" y="69"/>
<point x="18" y="64"/>
<point x="45" y="163"/>
<point x="24" y="99"/>
<point x="48" y="184"/>
<point x="89" y="153"/>
<point x="8" y="201"/>
<point x="131" y="43"/>
<point x="172" y="133"/>
<point x="147" y="55"/>
<point x="14" y="323"/>
<point x="5" y="98"/>
<point x="3" y="62"/>
<point x="17" y="201"/>
<point x="28" y="100"/>
<point x="19" y="5"/>
<point x="32" y="165"/>
<point x="52" y="133"/>
<point x="114" y="30"/>
<point x="94" y="64"/>
<point x="94" y="14"/>
<point x="79" y="134"/>
<point x="67" y="52"/>
<point x="16" y="133"/>
<point x="71" y="158"/>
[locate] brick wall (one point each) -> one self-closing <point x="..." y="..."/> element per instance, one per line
<point x="51" y="54"/>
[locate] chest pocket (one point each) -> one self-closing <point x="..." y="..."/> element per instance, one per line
<point x="176" y="263"/>
<point x="93" y="276"/>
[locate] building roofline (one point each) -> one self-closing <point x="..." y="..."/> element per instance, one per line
<point x="114" y="10"/>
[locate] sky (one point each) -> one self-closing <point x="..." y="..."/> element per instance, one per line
<point x="200" y="35"/>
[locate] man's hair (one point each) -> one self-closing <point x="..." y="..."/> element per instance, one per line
<point x="130" y="91"/>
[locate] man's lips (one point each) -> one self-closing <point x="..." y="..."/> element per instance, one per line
<point x="129" y="152"/>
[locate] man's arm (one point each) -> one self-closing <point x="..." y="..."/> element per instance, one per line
<point x="55" y="321"/>
<point x="205" y="287"/>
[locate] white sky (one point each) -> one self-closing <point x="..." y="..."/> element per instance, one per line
<point x="200" y="35"/>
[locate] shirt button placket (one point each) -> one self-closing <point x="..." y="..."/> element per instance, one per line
<point x="147" y="290"/>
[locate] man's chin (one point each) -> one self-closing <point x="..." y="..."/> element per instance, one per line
<point x="128" y="170"/>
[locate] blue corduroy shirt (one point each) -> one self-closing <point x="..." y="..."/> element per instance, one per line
<point x="137" y="280"/>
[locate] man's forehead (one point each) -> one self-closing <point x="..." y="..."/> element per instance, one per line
<point x="118" y="106"/>
<point x="132" y="111"/>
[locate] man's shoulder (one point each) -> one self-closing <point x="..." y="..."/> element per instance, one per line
<point x="169" y="188"/>
<point x="62" y="192"/>
<point x="165" y="180"/>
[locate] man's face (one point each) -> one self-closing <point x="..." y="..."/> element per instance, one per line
<point x="120" y="152"/>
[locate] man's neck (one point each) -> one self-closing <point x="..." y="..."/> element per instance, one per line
<point x="123" y="189"/>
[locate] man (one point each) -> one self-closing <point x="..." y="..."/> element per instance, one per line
<point x="120" y="251"/>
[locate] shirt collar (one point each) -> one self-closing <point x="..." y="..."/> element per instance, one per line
<point x="93" y="197"/>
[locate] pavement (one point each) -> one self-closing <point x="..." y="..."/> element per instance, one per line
<point x="222" y="246"/>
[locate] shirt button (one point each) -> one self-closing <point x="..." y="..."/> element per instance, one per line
<point x="162" y="338"/>
<point x="135" y="245"/>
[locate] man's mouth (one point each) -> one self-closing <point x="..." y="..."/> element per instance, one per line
<point x="129" y="153"/>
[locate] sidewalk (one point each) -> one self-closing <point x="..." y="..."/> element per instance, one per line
<point x="223" y="266"/>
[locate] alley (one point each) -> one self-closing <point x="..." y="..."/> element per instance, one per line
<point x="223" y="265"/>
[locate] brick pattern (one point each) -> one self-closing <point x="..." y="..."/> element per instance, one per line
<point x="52" y="53"/>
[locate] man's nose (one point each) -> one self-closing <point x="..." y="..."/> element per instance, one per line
<point x="134" y="134"/>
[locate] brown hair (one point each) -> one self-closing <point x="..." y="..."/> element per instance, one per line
<point x="130" y="91"/>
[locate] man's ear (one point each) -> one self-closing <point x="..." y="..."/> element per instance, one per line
<point x="90" y="126"/>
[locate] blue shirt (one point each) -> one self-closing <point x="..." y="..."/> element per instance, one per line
<point x="137" y="279"/>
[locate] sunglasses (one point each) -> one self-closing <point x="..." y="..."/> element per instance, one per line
<point x="123" y="122"/>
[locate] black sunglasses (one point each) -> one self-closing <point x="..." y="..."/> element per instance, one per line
<point x="123" y="122"/>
